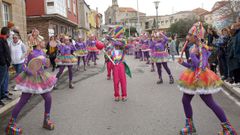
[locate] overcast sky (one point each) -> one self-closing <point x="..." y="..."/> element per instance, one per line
<point x="147" y="6"/>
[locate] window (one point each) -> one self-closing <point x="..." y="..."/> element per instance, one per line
<point x="162" y="22"/>
<point x="5" y="13"/>
<point x="50" y="3"/>
<point x="74" y="7"/>
<point x="69" y="5"/>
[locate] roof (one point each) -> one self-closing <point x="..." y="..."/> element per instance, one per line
<point x="218" y="5"/>
<point x="183" y="12"/>
<point x="199" y="11"/>
<point x="128" y="9"/>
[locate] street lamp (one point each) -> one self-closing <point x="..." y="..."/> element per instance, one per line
<point x="156" y="6"/>
<point x="138" y="20"/>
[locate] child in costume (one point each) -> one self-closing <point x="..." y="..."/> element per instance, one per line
<point x="92" y="50"/>
<point x="81" y="52"/>
<point x="30" y="82"/>
<point x="119" y="75"/>
<point x="145" y="47"/>
<point x="66" y="59"/>
<point x="160" y="56"/>
<point x="108" y="50"/>
<point x="198" y="79"/>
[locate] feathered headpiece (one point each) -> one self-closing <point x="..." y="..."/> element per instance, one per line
<point x="197" y="30"/>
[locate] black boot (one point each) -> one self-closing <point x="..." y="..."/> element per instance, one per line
<point x="171" y="79"/>
<point x="71" y="85"/>
<point x="160" y="81"/>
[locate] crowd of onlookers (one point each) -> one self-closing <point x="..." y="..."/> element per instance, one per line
<point x="12" y="53"/>
<point x="225" y="52"/>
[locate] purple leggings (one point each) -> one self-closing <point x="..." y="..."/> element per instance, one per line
<point x="208" y="99"/>
<point x="61" y="68"/>
<point x="24" y="99"/>
<point x="159" y="69"/>
<point x="92" y="55"/>
<point x="84" y="60"/>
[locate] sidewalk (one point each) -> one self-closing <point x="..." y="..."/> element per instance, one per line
<point x="16" y="94"/>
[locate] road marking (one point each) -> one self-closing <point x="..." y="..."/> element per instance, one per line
<point x="231" y="97"/>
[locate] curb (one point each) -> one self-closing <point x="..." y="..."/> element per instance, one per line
<point x="231" y="90"/>
<point x="11" y="104"/>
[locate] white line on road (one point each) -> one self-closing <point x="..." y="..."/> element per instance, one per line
<point x="232" y="98"/>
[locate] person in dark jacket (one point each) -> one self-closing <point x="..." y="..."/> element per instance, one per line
<point x="213" y="61"/>
<point x="234" y="56"/>
<point x="5" y="59"/>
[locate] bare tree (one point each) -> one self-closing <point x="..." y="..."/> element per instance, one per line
<point x="226" y="12"/>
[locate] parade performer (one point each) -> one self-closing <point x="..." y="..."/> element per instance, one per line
<point x="33" y="80"/>
<point x="198" y="79"/>
<point x="145" y="48"/>
<point x="119" y="75"/>
<point x="81" y="52"/>
<point x="160" y="56"/>
<point x="108" y="50"/>
<point x="66" y="59"/>
<point x="92" y="50"/>
<point x="136" y="48"/>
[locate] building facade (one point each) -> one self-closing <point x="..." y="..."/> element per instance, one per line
<point x="83" y="13"/>
<point x="53" y="17"/>
<point x="116" y="15"/>
<point x="14" y="10"/>
<point x="164" y="22"/>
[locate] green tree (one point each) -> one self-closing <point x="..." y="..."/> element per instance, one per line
<point x="133" y="30"/>
<point x="181" y="27"/>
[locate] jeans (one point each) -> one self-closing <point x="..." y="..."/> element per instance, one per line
<point x="18" y="68"/>
<point x="3" y="74"/>
<point x="5" y="84"/>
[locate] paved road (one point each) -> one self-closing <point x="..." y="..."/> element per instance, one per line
<point x="151" y="109"/>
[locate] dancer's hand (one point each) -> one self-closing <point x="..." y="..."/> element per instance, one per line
<point x="180" y="61"/>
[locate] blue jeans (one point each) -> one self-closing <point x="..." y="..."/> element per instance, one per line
<point x="3" y="75"/>
<point x="18" y="68"/>
<point x="5" y="84"/>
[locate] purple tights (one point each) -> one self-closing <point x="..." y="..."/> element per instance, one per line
<point x="84" y="60"/>
<point x="24" y="99"/>
<point x="159" y="69"/>
<point x="91" y="55"/>
<point x="61" y="68"/>
<point x="209" y="101"/>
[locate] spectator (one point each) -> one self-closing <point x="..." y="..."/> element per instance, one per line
<point x="52" y="51"/>
<point x="5" y="60"/>
<point x="222" y="50"/>
<point x="234" y="56"/>
<point x="172" y="47"/>
<point x="18" y="53"/>
<point x="177" y="44"/>
<point x="211" y="36"/>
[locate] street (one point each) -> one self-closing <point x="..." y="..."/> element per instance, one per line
<point x="151" y="109"/>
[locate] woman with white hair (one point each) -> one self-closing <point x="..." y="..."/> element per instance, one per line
<point x="18" y="53"/>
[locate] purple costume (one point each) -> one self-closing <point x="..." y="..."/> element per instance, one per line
<point x="92" y="51"/>
<point x="205" y="91"/>
<point x="145" y="49"/>
<point x="41" y="84"/>
<point x="81" y="52"/>
<point x="160" y="57"/>
<point x="67" y="59"/>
